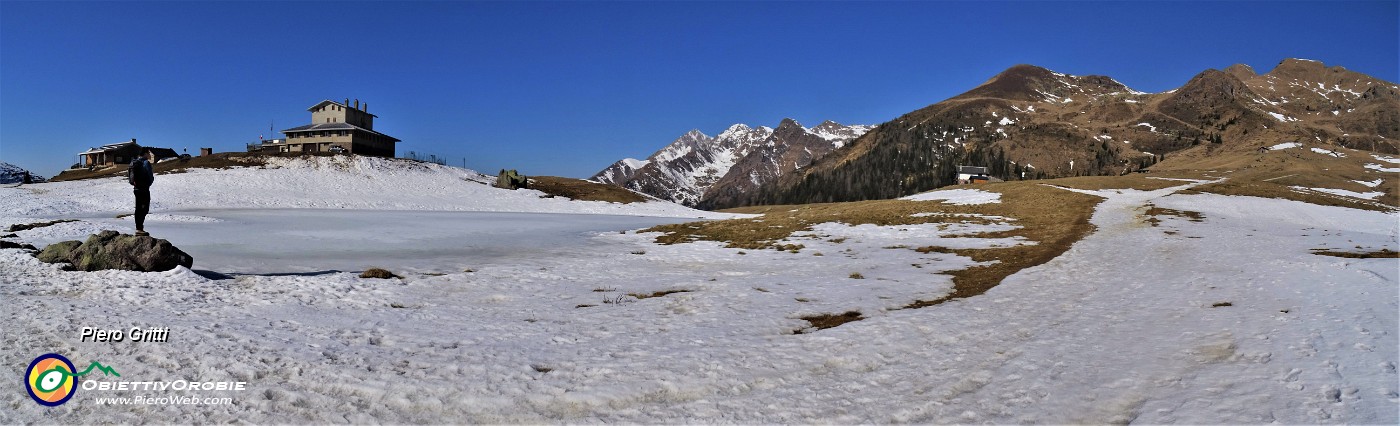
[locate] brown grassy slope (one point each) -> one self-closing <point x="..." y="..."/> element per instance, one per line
<point x="217" y="161"/>
<point x="1053" y="218"/>
<point x="583" y="190"/>
<point x="1138" y="181"/>
<point x="1103" y="128"/>
<point x="1273" y="174"/>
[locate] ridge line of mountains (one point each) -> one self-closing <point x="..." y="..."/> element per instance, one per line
<point x="698" y="170"/>
<point x="1026" y="122"/>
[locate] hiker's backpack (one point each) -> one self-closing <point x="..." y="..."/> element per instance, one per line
<point x="139" y="174"/>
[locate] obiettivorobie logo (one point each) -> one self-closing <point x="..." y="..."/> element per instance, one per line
<point x="52" y="380"/>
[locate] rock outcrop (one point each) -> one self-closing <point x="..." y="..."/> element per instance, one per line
<point x="113" y="250"/>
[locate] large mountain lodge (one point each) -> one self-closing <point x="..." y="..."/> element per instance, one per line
<point x="335" y="128"/>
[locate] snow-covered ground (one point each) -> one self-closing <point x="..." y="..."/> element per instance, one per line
<point x="1129" y="325"/>
<point x="1342" y="192"/>
<point x="957" y="196"/>
<point x="340" y="182"/>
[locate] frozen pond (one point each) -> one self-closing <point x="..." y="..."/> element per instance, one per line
<point x="299" y="241"/>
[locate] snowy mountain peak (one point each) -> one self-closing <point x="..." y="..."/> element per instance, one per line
<point x="737" y="127"/>
<point x="743" y="132"/>
<point x="693" y="138"/>
<point x="691" y="166"/>
<point x="10" y="173"/>
<point x="838" y="133"/>
<point x="683" y="145"/>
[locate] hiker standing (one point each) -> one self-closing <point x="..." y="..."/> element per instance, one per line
<point x="140" y="176"/>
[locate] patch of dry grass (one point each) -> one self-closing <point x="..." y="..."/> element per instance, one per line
<point x="378" y="273"/>
<point x="1053" y="218"/>
<point x="1271" y="175"/>
<point x="1153" y="213"/>
<point x="656" y="294"/>
<point x="1379" y="254"/>
<point x="1252" y="188"/>
<point x="825" y="321"/>
<point x="583" y="190"/>
<point x="27" y="226"/>
<point x="1138" y="181"/>
<point x="780" y="222"/>
<point x="221" y="160"/>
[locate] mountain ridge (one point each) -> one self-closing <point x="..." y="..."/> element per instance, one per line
<point x="1029" y="121"/>
<point x="10" y="173"/>
<point x="695" y="168"/>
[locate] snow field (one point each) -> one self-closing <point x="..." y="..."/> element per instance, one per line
<point x="1129" y="325"/>
<point x="509" y="341"/>
<point x="315" y="182"/>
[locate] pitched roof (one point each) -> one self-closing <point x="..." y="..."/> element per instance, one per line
<point x="109" y="147"/>
<point x="328" y="101"/>
<point x="972" y="170"/>
<point x="317" y="127"/>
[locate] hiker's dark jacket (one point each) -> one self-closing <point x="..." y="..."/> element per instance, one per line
<point x="140" y="174"/>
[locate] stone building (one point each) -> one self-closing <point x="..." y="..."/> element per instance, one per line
<point x="120" y="153"/>
<point x="339" y="128"/>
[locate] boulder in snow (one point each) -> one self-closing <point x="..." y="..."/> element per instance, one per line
<point x="112" y="250"/>
<point x="511" y="179"/>
<point x="4" y="244"/>
<point x="58" y="252"/>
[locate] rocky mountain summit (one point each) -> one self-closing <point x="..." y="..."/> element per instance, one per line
<point x="700" y="170"/>
<point x="1031" y="122"/>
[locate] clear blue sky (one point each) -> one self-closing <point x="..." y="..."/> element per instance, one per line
<point x="568" y="88"/>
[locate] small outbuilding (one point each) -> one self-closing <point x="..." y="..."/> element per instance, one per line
<point x="971" y="174"/>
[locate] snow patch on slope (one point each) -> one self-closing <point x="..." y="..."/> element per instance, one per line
<point x="957" y="196"/>
<point x="1342" y="192"/>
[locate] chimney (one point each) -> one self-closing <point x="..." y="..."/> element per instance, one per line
<point x="347" y="102"/>
<point x="357" y="104"/>
<point x="366" y="107"/>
